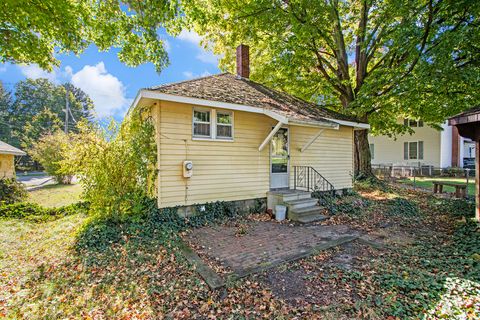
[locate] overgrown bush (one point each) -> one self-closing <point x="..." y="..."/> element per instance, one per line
<point x="50" y="150"/>
<point x="402" y="207"/>
<point x="11" y="191"/>
<point x="117" y="165"/>
<point x="35" y="213"/>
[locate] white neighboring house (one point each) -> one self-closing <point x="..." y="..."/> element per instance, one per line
<point x="426" y="147"/>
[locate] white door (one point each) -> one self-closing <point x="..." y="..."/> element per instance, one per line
<point x="279" y="159"/>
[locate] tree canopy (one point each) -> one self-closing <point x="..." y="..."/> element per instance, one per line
<point x="375" y="60"/>
<point x="33" y="31"/>
<point x="37" y="108"/>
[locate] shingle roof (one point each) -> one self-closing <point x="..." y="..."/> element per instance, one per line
<point x="5" y="148"/>
<point x="226" y="87"/>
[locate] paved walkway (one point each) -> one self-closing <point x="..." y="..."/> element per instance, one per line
<point x="265" y="244"/>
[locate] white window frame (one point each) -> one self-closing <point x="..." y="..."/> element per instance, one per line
<point x="418" y="150"/>
<point x="213" y="124"/>
<point x="223" y="124"/>
<point x="412" y="123"/>
<point x="195" y="136"/>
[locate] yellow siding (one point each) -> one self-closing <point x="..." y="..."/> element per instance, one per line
<point x="331" y="154"/>
<point x="222" y="170"/>
<point x="7" y="168"/>
<point x="226" y="170"/>
<point x="390" y="151"/>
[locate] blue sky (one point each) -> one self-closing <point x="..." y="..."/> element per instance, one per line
<point x="113" y="85"/>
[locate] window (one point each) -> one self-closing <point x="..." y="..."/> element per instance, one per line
<point x="212" y="124"/>
<point x="413" y="150"/>
<point x="224" y="125"/>
<point x="413" y="123"/>
<point x="201" y="124"/>
<point x="372" y="150"/>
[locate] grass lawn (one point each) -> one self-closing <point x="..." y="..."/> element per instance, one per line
<point x="85" y="268"/>
<point x="56" y="195"/>
<point x="427" y="183"/>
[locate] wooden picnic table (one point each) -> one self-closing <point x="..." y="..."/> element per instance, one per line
<point x="460" y="189"/>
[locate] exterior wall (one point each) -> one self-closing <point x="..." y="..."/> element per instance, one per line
<point x="331" y="154"/>
<point x="7" y="168"/>
<point x="390" y="151"/>
<point x="446" y="146"/>
<point x="222" y="170"/>
<point x="236" y="170"/>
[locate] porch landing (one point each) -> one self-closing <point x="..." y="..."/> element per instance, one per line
<point x="264" y="244"/>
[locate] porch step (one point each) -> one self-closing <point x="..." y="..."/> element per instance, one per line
<point x="301" y="203"/>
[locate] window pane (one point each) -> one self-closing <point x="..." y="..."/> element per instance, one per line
<point x="201" y="129"/>
<point x="405" y="150"/>
<point x="412" y="152"/>
<point x="224" y="118"/>
<point x="202" y="116"/>
<point x="420" y="150"/>
<point x="279" y="165"/>
<point x="372" y="150"/>
<point x="413" y="123"/>
<point x="224" y="131"/>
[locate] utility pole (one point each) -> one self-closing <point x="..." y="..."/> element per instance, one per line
<point x="66" y="108"/>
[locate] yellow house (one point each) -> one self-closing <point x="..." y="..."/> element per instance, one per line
<point x="7" y="157"/>
<point x="227" y="138"/>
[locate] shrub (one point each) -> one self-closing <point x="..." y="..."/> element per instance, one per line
<point x="34" y="212"/>
<point x="350" y="204"/>
<point x="49" y="151"/>
<point x="402" y="207"/>
<point x="11" y="191"/>
<point x="117" y="165"/>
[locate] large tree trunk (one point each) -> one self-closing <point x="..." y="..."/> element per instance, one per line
<point x="363" y="166"/>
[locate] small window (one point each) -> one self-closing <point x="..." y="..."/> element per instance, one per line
<point x="413" y="123"/>
<point x="372" y="150"/>
<point x="201" y="124"/>
<point x="224" y="125"/>
<point x="413" y="150"/>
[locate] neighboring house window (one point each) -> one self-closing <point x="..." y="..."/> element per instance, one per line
<point x="372" y="150"/>
<point x="413" y="150"/>
<point x="212" y="124"/>
<point x="413" y="123"/>
<point x="224" y="125"/>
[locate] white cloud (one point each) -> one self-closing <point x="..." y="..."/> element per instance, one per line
<point x="33" y="71"/>
<point x="190" y="75"/>
<point x="203" y="55"/>
<point x="190" y="36"/>
<point x="106" y="90"/>
<point x="208" y="57"/>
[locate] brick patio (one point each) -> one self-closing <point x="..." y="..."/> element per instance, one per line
<point x="265" y="243"/>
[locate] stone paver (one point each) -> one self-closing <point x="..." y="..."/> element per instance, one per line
<point x="266" y="243"/>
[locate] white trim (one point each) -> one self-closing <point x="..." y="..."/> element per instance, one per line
<point x="312" y="140"/>
<point x="314" y="124"/>
<point x="350" y="123"/>
<point x="270" y="135"/>
<point x="149" y="94"/>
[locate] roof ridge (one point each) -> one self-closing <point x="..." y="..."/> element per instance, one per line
<point x="185" y="81"/>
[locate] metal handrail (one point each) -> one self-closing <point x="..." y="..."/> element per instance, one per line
<point x="306" y="177"/>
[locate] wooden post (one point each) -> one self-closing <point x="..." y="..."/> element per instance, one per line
<point x="477" y="179"/>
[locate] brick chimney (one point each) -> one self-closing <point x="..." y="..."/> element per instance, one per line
<point x="243" y="61"/>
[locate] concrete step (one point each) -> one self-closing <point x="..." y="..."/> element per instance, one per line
<point x="301" y="203"/>
<point x="297" y="195"/>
